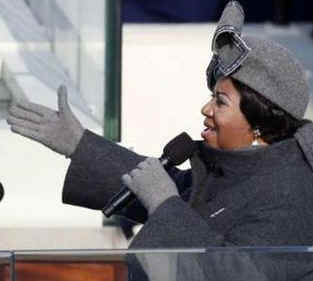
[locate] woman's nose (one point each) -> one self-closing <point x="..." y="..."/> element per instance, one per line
<point x="207" y="109"/>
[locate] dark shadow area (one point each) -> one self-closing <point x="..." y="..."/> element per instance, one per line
<point x="278" y="11"/>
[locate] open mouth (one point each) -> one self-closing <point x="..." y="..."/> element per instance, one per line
<point x="209" y="128"/>
<point x="208" y="131"/>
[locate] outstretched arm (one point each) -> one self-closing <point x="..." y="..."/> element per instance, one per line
<point x="97" y="164"/>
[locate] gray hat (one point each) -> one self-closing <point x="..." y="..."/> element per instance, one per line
<point x="263" y="65"/>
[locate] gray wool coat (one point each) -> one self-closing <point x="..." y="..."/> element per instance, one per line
<point x="255" y="197"/>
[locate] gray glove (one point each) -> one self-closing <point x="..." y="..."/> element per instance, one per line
<point x="59" y="130"/>
<point x="150" y="183"/>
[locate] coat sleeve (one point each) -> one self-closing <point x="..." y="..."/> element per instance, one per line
<point x="94" y="175"/>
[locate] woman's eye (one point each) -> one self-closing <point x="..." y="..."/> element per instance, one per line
<point x="216" y="98"/>
<point x="219" y="101"/>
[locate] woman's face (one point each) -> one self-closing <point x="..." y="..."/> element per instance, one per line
<point x="225" y="125"/>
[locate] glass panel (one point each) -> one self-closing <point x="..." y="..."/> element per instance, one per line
<point x="214" y="263"/>
<point x="76" y="31"/>
<point x="45" y="44"/>
<point x="223" y="264"/>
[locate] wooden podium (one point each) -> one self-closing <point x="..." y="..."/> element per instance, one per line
<point x="71" y="271"/>
<point x="68" y="269"/>
<point x="32" y="262"/>
<point x="5" y="267"/>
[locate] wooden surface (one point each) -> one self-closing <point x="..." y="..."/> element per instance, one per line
<point x="64" y="254"/>
<point x="4" y="272"/>
<point x="66" y="271"/>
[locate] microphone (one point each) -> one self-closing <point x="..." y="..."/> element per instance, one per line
<point x="1" y="191"/>
<point x="177" y="151"/>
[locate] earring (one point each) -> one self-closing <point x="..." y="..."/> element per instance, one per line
<point x="256" y="135"/>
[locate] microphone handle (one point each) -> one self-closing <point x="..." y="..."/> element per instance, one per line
<point x="118" y="202"/>
<point x="125" y="196"/>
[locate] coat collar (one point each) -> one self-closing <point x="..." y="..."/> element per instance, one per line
<point x="240" y="162"/>
<point x="215" y="171"/>
<point x="220" y="169"/>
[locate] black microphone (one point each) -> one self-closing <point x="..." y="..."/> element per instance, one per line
<point x="1" y="191"/>
<point x="177" y="151"/>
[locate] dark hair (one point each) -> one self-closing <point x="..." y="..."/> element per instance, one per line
<point x="274" y="123"/>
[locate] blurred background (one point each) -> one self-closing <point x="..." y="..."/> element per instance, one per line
<point x="135" y="72"/>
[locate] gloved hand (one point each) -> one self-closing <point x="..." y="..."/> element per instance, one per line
<point x="59" y="130"/>
<point x="150" y="183"/>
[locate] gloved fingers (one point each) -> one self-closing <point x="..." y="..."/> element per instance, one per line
<point x="34" y="135"/>
<point x="152" y="161"/>
<point x="155" y="165"/>
<point x="143" y="165"/>
<point x="20" y="113"/>
<point x="17" y="122"/>
<point x="135" y="172"/>
<point x="62" y="100"/>
<point x="34" y="108"/>
<point x="127" y="180"/>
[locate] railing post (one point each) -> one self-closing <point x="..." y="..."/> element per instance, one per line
<point x="113" y="53"/>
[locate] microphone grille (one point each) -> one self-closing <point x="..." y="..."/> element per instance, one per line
<point x="179" y="149"/>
